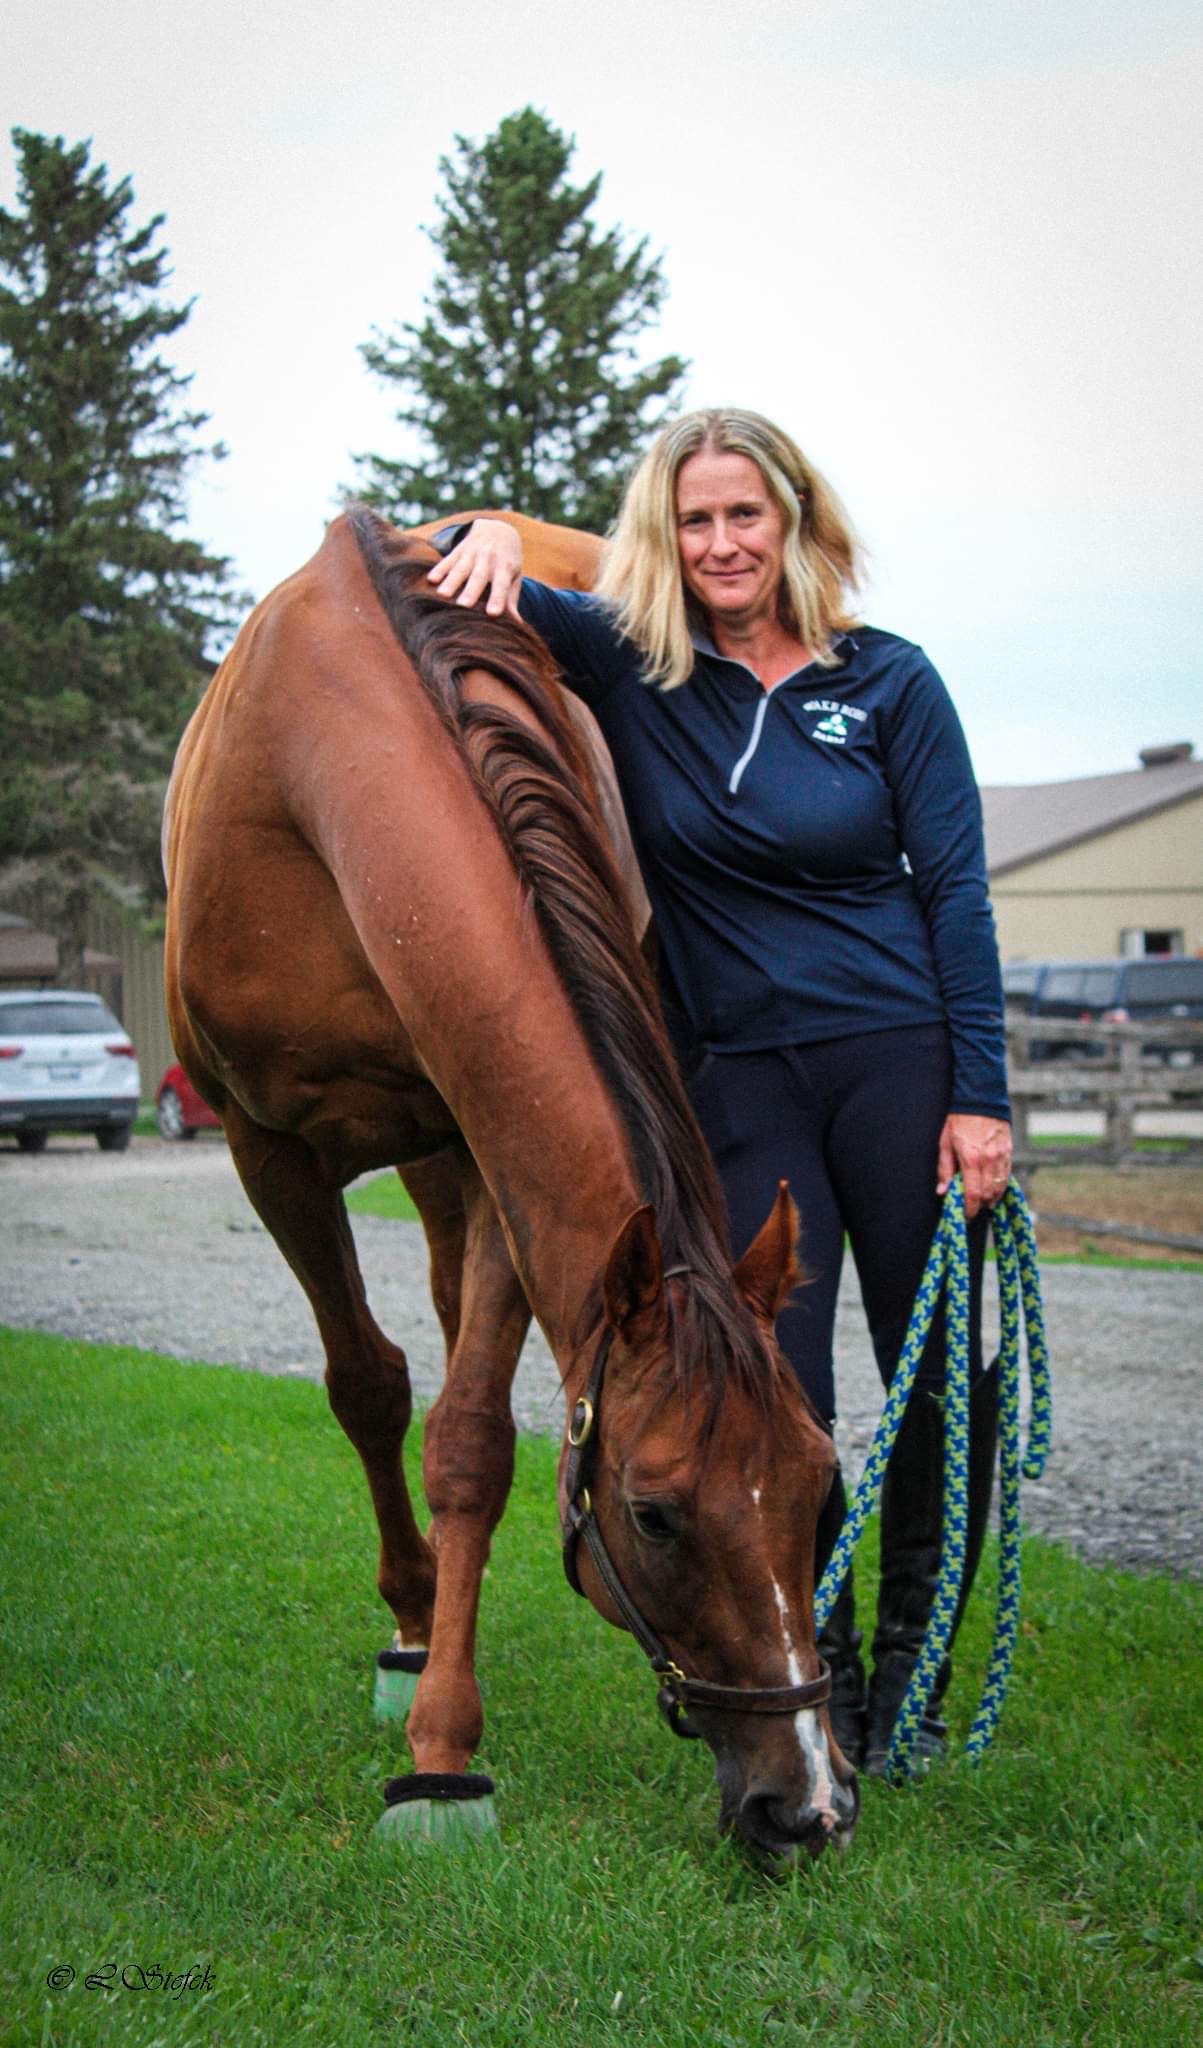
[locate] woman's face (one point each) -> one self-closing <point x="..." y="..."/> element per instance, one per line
<point x="730" y="537"/>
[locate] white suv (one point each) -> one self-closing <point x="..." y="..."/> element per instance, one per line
<point x="66" y="1064"/>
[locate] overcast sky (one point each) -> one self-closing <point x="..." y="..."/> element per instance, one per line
<point x="954" y="250"/>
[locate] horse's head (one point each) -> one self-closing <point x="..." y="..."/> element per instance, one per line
<point x="690" y="1502"/>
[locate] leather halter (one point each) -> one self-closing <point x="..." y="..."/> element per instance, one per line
<point x="677" y="1691"/>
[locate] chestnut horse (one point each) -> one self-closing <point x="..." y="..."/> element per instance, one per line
<point x="396" y="937"/>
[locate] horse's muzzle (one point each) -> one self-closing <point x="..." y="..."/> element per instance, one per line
<point x="783" y="1830"/>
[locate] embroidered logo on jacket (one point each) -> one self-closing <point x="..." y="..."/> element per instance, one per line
<point x="833" y="728"/>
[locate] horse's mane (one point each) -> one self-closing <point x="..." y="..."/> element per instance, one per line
<point x="538" y="787"/>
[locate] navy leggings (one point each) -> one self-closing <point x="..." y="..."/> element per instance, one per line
<point x="853" y="1124"/>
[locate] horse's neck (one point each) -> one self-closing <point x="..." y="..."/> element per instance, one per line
<point x="453" y="935"/>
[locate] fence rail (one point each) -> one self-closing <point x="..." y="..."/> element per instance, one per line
<point x="1132" y="1233"/>
<point x="1117" y="1070"/>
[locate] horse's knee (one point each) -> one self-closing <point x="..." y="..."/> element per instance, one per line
<point x="370" y="1396"/>
<point x="468" y="1458"/>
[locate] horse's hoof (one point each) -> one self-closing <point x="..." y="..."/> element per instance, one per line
<point x="447" y="1809"/>
<point x="397" y="1675"/>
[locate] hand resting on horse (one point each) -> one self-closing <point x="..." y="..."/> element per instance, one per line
<point x="489" y="558"/>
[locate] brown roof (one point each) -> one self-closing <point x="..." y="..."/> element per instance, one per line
<point x="1025" y="822"/>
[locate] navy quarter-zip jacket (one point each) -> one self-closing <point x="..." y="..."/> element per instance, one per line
<point x="813" y="853"/>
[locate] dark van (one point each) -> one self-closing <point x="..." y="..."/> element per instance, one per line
<point x="1113" y="992"/>
<point x="1020" y="980"/>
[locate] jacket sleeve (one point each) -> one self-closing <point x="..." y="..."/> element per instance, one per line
<point x="939" y="816"/>
<point x="585" y="646"/>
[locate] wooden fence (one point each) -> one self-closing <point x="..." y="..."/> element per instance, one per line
<point x="138" y="998"/>
<point x="1127" y="1069"/>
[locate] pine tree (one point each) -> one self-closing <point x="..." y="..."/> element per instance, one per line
<point x="106" y="608"/>
<point x="523" y="377"/>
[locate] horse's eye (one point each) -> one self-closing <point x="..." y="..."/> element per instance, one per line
<point x="654" y="1520"/>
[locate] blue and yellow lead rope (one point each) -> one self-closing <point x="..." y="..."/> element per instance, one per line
<point x="947" y="1272"/>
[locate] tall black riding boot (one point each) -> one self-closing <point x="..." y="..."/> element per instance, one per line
<point x="840" y="1640"/>
<point x="912" y="1509"/>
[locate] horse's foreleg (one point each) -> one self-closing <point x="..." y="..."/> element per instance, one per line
<point x="367" y="1378"/>
<point x="468" y="1463"/>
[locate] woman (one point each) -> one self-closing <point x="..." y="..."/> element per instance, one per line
<point x="806" y="817"/>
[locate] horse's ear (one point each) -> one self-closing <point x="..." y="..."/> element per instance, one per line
<point x="768" y="1272"/>
<point x="634" y="1281"/>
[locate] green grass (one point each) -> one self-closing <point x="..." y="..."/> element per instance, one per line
<point x="192" y="1775"/>
<point x="384" y="1196"/>
<point x="1093" y="1258"/>
<point x="1050" y="1139"/>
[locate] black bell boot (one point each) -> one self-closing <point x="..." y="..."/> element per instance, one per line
<point x="912" y="1511"/>
<point x="840" y="1640"/>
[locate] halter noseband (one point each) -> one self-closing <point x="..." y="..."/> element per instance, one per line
<point x="677" y="1691"/>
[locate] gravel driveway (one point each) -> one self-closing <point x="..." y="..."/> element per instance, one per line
<point x="159" y="1247"/>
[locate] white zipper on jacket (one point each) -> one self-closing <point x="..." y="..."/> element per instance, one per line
<point x="753" y="743"/>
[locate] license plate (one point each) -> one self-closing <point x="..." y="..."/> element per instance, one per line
<point x="66" y="1073"/>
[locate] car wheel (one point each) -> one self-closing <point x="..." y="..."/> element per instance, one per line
<point x="31" y="1141"/>
<point x="170" y="1114"/>
<point x="116" y="1138"/>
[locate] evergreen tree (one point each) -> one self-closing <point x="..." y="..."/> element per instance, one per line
<point x="522" y="378"/>
<point x="106" y="607"/>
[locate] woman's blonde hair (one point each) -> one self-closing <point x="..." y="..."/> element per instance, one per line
<point x="641" y="576"/>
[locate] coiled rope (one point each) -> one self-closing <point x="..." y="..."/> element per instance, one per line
<point x="947" y="1272"/>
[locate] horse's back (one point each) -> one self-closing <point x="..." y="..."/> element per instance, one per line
<point x="560" y="555"/>
<point x="320" y="631"/>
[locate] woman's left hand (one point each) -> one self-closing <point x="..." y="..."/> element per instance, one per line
<point x="979" y="1148"/>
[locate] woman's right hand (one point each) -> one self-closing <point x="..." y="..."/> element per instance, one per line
<point x="488" y="558"/>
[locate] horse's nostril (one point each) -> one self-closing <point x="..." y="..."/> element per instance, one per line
<point x="779" y="1827"/>
<point x="847" y="1802"/>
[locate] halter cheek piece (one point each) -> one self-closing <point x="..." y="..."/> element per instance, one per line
<point x="677" y="1691"/>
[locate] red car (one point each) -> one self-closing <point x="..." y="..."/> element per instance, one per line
<point x="181" y="1111"/>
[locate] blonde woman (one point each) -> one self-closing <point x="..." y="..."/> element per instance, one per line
<point x="809" y="829"/>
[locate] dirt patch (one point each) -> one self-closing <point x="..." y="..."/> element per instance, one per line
<point x="1162" y="1198"/>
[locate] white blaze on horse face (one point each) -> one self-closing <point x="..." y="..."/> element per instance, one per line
<point x="811" y="1740"/>
<point x="795" y="1669"/>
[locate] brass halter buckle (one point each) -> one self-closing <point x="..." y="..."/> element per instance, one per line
<point x="670" y="1699"/>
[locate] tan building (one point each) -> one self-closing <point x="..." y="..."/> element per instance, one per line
<point x="1100" y="866"/>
